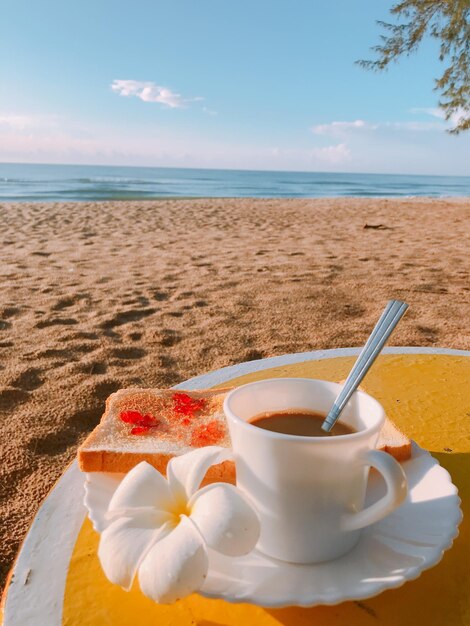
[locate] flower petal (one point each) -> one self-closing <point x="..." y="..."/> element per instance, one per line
<point x="226" y="519"/>
<point x="143" y="486"/>
<point x="125" y="543"/>
<point x="99" y="489"/>
<point x="176" y="566"/>
<point x="186" y="472"/>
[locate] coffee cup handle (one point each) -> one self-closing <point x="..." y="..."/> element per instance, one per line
<point x="395" y="481"/>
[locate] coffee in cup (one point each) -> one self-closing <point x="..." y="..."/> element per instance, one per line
<point x="300" y="422"/>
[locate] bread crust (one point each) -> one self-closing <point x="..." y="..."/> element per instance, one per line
<point x="123" y="462"/>
<point x="399" y="453"/>
<point x="393" y="441"/>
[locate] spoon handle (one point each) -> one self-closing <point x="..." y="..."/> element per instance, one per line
<point x="392" y="314"/>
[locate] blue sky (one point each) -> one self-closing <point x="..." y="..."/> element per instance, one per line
<point x="252" y="84"/>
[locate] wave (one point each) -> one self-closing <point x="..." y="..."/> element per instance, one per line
<point x="55" y="183"/>
<point x="116" y="179"/>
<point x="82" y="181"/>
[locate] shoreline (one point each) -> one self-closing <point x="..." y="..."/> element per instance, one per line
<point x="153" y="292"/>
<point x="229" y="198"/>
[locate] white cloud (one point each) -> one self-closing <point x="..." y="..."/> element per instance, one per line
<point x="150" y="92"/>
<point x="433" y="111"/>
<point x="343" y="129"/>
<point x="440" y="113"/>
<point x="209" y="111"/>
<point x="393" y="147"/>
<point x="414" y="126"/>
<point x="17" y="122"/>
<point x="332" y="154"/>
<point x="454" y="119"/>
<point x="340" y="128"/>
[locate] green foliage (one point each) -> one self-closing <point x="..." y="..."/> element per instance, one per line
<point x="447" y="21"/>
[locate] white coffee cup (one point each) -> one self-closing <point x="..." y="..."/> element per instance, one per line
<point x="309" y="491"/>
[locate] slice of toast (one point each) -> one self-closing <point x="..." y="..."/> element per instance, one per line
<point x="393" y="441"/>
<point x="154" y="425"/>
<point x="171" y="423"/>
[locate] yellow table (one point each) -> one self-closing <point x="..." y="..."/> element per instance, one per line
<point x="57" y="579"/>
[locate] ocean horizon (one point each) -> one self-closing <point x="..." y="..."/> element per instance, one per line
<point x="21" y="182"/>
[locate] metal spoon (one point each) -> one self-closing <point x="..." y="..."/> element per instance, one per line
<point x="392" y="314"/>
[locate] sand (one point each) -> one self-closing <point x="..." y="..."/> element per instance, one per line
<point x="97" y="296"/>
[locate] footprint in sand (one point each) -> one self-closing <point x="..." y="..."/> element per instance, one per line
<point x="252" y="355"/>
<point x="28" y="380"/>
<point x="102" y="389"/>
<point x="353" y="310"/>
<point x="97" y="367"/>
<point x="168" y="337"/>
<point x="10" y="397"/>
<point x="55" y="443"/>
<point x="129" y="353"/>
<point x="83" y="347"/>
<point x="170" y="278"/>
<point x="52" y="353"/>
<point x="10" y="311"/>
<point x="140" y="300"/>
<point x="63" y="303"/>
<point x="56" y="321"/>
<point x="160" y="296"/>
<point x="430" y="288"/>
<point x="230" y="284"/>
<point x="13" y="477"/>
<point x="78" y="423"/>
<point x="86" y="367"/>
<point x="85" y="335"/>
<point x="165" y="361"/>
<point x="429" y="332"/>
<point x="124" y="317"/>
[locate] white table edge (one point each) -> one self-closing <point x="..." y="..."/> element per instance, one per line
<point x="233" y="371"/>
<point x="46" y="594"/>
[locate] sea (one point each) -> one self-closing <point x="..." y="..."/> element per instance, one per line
<point x="51" y="183"/>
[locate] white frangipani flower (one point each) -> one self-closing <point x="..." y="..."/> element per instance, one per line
<point x="160" y="528"/>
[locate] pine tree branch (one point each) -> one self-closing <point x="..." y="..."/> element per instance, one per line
<point x="447" y="21"/>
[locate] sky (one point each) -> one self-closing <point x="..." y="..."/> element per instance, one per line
<point x="246" y="84"/>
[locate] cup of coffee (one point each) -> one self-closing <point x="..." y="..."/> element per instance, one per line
<point x="309" y="486"/>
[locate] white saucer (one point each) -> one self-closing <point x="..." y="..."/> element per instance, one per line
<point x="397" y="549"/>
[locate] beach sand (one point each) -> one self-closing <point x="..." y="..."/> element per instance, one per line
<point x="98" y="296"/>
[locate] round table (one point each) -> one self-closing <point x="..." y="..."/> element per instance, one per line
<point x="57" y="579"/>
